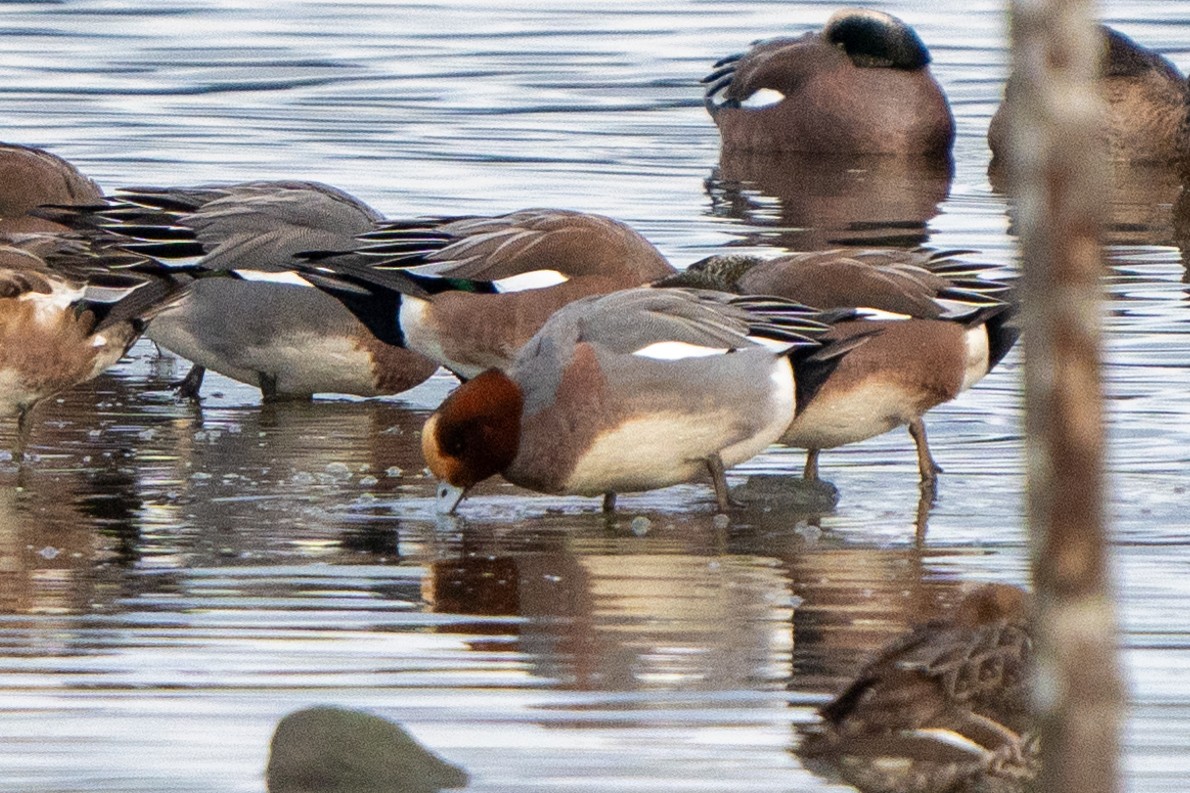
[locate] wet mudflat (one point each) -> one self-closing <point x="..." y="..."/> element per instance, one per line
<point x="174" y="580"/>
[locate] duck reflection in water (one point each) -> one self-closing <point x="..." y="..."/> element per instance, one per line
<point x="944" y="708"/>
<point x="800" y="201"/>
<point x="1145" y="131"/>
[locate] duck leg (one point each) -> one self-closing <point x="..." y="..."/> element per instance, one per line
<point x="925" y="461"/>
<point x="268" y="387"/>
<point x="189" y="386"/>
<point x="810" y="472"/>
<point x="24" y="430"/>
<point x="609" y="502"/>
<point x="719" y="480"/>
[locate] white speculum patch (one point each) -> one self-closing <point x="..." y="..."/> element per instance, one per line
<point x="265" y="276"/>
<point x="881" y="314"/>
<point x="677" y="350"/>
<point x="534" y="279"/>
<point x="764" y="97"/>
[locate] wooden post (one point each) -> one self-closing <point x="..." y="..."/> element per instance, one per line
<point x="1059" y="180"/>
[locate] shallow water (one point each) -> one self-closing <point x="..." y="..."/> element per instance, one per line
<point x="173" y="581"/>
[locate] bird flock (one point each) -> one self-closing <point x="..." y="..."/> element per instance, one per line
<point x="587" y="363"/>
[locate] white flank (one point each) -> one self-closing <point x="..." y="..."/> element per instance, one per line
<point x="662" y="449"/>
<point x="978" y="356"/>
<point x="677" y="350"/>
<point x="535" y="279"/>
<point x="283" y="277"/>
<point x="303" y="362"/>
<point x="865" y="411"/>
<point x="765" y="97"/>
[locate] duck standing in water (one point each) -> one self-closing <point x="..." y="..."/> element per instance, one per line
<point x="631" y="391"/>
<point x="473" y="301"/>
<point x="265" y="327"/>
<point x="934" y="326"/>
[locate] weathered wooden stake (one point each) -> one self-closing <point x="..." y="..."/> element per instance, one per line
<point x="1059" y="179"/>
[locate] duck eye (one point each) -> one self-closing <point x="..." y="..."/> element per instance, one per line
<point x="454" y="444"/>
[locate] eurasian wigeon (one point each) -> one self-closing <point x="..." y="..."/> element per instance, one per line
<point x="861" y="85"/>
<point x="635" y="390"/>
<point x="482" y="287"/>
<point x="947" y="326"/>
<point x="1146" y="103"/>
<point x="267" y="327"/>
<point x="944" y="708"/>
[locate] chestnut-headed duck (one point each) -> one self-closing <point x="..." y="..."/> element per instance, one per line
<point x="944" y="708"/>
<point x="934" y="326"/>
<point x="635" y="390"/>
<point x="68" y="311"/>
<point x="861" y="85"/>
<point x="470" y="292"/>
<point x="267" y="327"/>
<point x="1146" y="103"/>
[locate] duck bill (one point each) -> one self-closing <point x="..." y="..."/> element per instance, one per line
<point x="448" y="498"/>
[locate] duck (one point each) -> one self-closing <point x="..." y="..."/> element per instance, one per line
<point x="630" y="391"/>
<point x="262" y="324"/>
<point x="945" y="707"/>
<point x="1145" y="105"/>
<point x="68" y="311"/>
<point x="934" y="326"/>
<point x="32" y="177"/>
<point x="861" y="85"/>
<point x="469" y="292"/>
